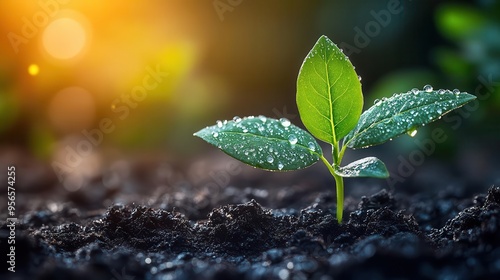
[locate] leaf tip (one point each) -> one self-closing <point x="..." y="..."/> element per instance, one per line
<point x="324" y="37"/>
<point x="470" y="96"/>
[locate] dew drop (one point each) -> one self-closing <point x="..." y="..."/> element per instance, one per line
<point x="292" y="139"/>
<point x="237" y="119"/>
<point x="271" y="149"/>
<point x="441" y="91"/>
<point x="428" y="88"/>
<point x="456" y="91"/>
<point x="376" y="102"/>
<point x="439" y="111"/>
<point x="414" y="91"/>
<point x="311" y="146"/>
<point x="270" y="159"/>
<point x="215" y="134"/>
<point x="285" y="122"/>
<point x="219" y="123"/>
<point x="412" y="132"/>
<point x="359" y="78"/>
<point x="263" y="118"/>
<point x="245" y="130"/>
<point x="280" y="166"/>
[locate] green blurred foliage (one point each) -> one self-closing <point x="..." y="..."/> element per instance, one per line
<point x="473" y="31"/>
<point x="467" y="56"/>
<point x="458" y="21"/>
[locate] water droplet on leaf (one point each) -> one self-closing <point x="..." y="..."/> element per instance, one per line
<point x="215" y="134"/>
<point x="280" y="166"/>
<point x="428" y="88"/>
<point x="270" y="159"/>
<point x="412" y="132"/>
<point x="237" y="119"/>
<point x="219" y="123"/>
<point x="311" y="146"/>
<point x="292" y="139"/>
<point x="285" y="122"/>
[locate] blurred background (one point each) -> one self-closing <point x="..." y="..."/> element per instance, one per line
<point x="88" y="85"/>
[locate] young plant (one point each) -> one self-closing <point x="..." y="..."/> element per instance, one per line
<point x="330" y="101"/>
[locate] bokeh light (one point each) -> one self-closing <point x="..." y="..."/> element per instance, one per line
<point x="33" y="69"/>
<point x="64" y="38"/>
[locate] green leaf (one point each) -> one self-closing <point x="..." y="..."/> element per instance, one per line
<point x="264" y="142"/>
<point x="329" y="95"/>
<point x="401" y="113"/>
<point x="366" y="167"/>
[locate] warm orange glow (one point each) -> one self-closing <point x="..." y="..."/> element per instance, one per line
<point x="64" y="38"/>
<point x="172" y="54"/>
<point x="72" y="109"/>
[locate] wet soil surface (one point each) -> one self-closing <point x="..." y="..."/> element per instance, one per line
<point x="114" y="231"/>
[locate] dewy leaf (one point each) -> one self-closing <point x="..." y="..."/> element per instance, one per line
<point x="329" y="94"/>
<point x="264" y="142"/>
<point x="366" y="167"/>
<point x="391" y="117"/>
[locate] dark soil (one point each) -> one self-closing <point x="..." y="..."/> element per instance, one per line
<point x="168" y="230"/>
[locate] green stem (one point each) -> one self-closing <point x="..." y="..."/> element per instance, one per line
<point x="339" y="182"/>
<point x="341" y="154"/>
<point x="339" y="186"/>
<point x="335" y="154"/>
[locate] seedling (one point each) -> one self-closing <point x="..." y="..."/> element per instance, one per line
<point x="330" y="101"/>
